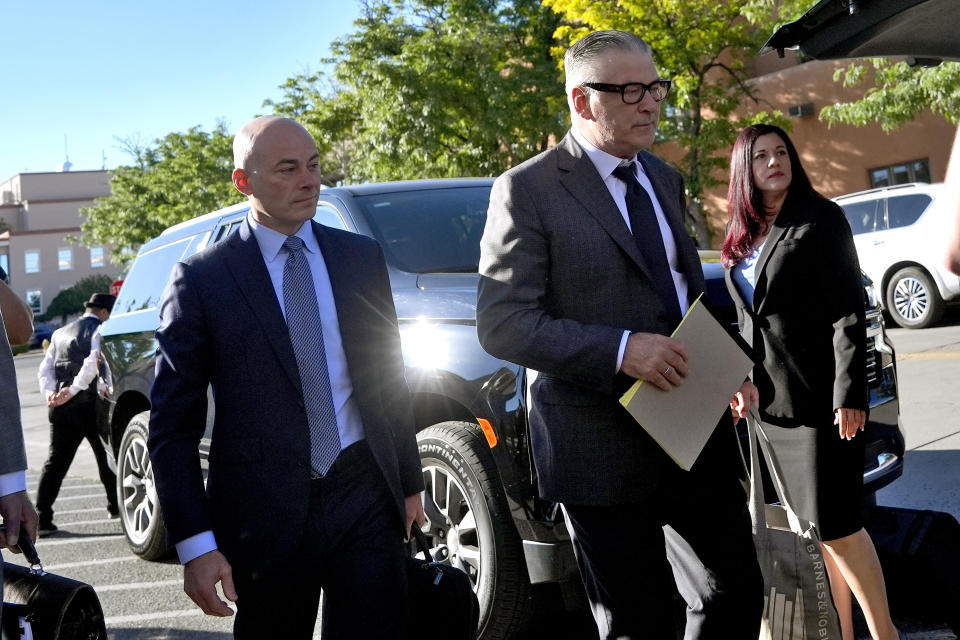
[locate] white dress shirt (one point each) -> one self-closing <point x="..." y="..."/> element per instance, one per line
<point x="349" y="422"/>
<point x="605" y="165"/>
<point x="88" y="371"/>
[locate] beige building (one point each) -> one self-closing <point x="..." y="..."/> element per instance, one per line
<point x="40" y="212"/>
<point x="843" y="158"/>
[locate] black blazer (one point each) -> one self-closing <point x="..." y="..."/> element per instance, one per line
<point x="807" y="324"/>
<point x="221" y="324"/>
<point x="561" y="278"/>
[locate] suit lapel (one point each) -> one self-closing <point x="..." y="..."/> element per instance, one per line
<point x="776" y="232"/>
<point x="344" y="273"/>
<point x="245" y="262"/>
<point x="579" y="176"/>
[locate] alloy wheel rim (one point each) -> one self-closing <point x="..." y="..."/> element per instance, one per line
<point x="452" y="531"/>
<point x="911" y="299"/>
<point x="139" y="497"/>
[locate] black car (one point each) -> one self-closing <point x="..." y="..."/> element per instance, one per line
<point x="484" y="513"/>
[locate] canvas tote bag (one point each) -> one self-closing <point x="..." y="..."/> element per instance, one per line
<point x="797" y="603"/>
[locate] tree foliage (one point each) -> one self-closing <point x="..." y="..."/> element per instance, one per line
<point x="435" y="88"/>
<point x="897" y="93"/>
<point x="176" y="178"/>
<point x="701" y="45"/>
<point x="70" y="300"/>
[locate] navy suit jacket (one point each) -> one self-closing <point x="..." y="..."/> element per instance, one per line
<point x="221" y="325"/>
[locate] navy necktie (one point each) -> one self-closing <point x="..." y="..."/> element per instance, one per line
<point x="646" y="233"/>
<point x="306" y="336"/>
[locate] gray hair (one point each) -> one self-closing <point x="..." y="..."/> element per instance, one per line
<point x="579" y="60"/>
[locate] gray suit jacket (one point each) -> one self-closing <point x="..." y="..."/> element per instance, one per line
<point x="561" y="279"/>
<point x="13" y="456"/>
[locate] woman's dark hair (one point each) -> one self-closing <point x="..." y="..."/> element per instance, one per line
<point x="747" y="218"/>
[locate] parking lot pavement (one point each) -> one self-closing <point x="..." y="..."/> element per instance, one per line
<point x="145" y="600"/>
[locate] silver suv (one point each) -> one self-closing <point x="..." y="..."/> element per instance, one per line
<point x="898" y="231"/>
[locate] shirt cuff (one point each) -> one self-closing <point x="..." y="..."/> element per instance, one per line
<point x="196" y="546"/>
<point x="13" y="482"/>
<point x="623" y="349"/>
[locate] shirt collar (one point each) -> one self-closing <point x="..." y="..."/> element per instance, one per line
<point x="603" y="161"/>
<point x="271" y="241"/>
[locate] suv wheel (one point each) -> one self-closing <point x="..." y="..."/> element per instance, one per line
<point x="137" y="495"/>
<point x="469" y="523"/>
<point x="913" y="300"/>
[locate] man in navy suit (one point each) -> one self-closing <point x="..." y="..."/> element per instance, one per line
<point x="314" y="476"/>
<point x="585" y="270"/>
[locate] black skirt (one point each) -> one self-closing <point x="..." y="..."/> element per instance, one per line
<point x="823" y="474"/>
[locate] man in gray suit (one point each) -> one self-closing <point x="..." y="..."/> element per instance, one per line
<point x="16" y="510"/>
<point x="586" y="269"/>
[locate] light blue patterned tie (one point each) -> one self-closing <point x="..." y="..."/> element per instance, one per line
<point x="306" y="336"/>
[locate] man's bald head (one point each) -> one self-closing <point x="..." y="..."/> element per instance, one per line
<point x="244" y="143"/>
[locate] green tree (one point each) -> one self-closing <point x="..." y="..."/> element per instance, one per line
<point x="435" y="88"/>
<point x="702" y="46"/>
<point x="176" y="178"/>
<point x="70" y="300"/>
<point x="896" y="94"/>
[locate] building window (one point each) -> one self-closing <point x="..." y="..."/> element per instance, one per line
<point x="65" y="258"/>
<point x="35" y="300"/>
<point x="96" y="257"/>
<point x="31" y="261"/>
<point x="5" y="263"/>
<point x="914" y="171"/>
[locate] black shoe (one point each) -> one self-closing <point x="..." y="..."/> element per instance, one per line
<point x="47" y="529"/>
<point x="113" y="512"/>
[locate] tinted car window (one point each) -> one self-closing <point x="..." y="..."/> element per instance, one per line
<point x="328" y="216"/>
<point x="862" y="216"/>
<point x="904" y="210"/>
<point x="429" y="231"/>
<point x="144" y="285"/>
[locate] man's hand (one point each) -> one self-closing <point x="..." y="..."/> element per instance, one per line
<point x="60" y="397"/>
<point x="200" y="577"/>
<point x="748" y="396"/>
<point x="850" y="421"/>
<point x="413" y="505"/>
<point x="657" y="359"/>
<point x="18" y="514"/>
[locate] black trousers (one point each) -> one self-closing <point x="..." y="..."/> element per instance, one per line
<point x="696" y="526"/>
<point x="69" y="425"/>
<point x="353" y="550"/>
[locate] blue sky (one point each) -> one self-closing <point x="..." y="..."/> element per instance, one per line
<point x="106" y="69"/>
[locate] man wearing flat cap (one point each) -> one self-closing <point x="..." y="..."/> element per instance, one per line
<point x="69" y="375"/>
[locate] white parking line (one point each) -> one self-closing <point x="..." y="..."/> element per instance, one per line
<point x="136" y="585"/>
<point x="99" y="521"/>
<point x="90" y="563"/>
<point x="44" y="542"/>
<point x="83" y="497"/>
<point x="63" y="512"/>
<point x="159" y="615"/>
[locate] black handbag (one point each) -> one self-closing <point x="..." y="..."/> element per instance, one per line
<point x="51" y="606"/>
<point x="441" y="597"/>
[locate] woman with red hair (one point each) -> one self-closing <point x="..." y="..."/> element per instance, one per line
<point x="793" y="274"/>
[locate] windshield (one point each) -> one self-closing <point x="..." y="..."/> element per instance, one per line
<point x="429" y="230"/>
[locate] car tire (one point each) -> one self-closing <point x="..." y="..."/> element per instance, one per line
<point x="140" y="513"/>
<point x="470" y="526"/>
<point x="913" y="300"/>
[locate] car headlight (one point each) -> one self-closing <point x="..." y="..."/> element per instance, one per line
<point x="871" y="295"/>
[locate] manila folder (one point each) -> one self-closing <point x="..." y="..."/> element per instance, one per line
<point x="682" y="420"/>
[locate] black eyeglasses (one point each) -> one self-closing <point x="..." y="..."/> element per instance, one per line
<point x="633" y="92"/>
